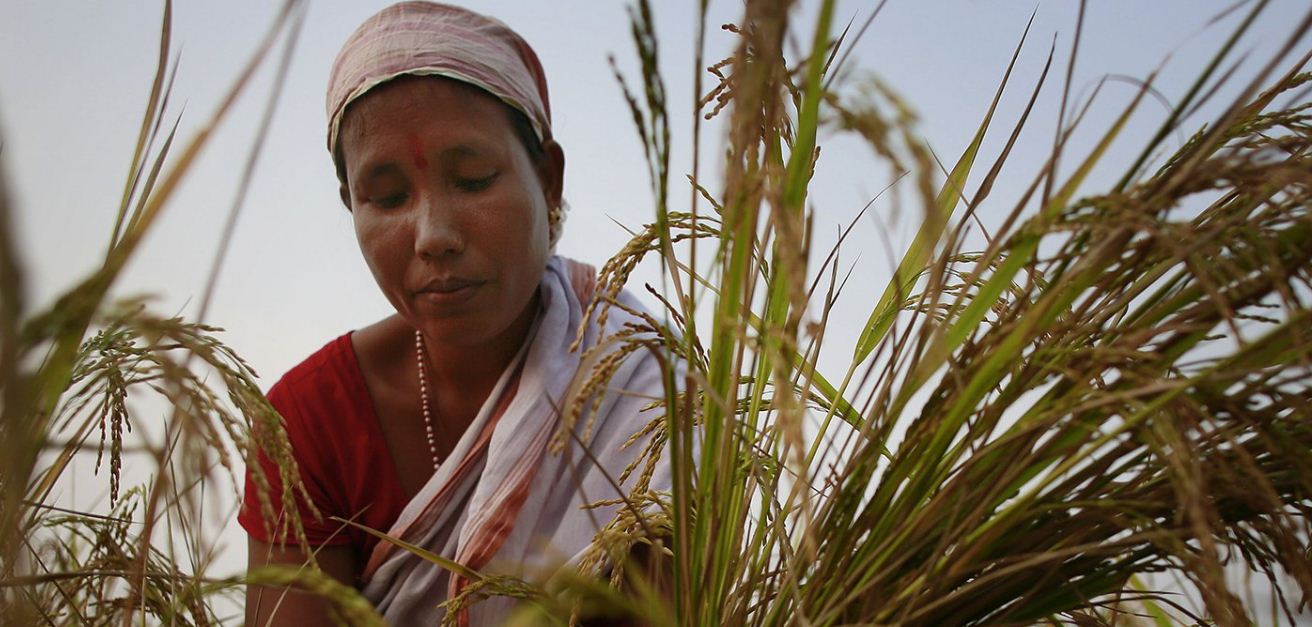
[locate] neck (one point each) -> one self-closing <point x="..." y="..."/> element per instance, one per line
<point x="467" y="367"/>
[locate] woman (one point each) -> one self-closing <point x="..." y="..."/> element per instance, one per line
<point x="434" y="424"/>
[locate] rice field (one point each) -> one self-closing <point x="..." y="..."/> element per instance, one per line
<point x="1079" y="395"/>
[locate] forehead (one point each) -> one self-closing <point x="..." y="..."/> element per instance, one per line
<point x="416" y="103"/>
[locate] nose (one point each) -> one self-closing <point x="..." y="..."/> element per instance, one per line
<point x="437" y="230"/>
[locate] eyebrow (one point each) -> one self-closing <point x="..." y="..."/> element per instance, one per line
<point x="463" y="150"/>
<point x="382" y="169"/>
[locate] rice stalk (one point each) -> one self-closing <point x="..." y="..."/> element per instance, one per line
<point x="1115" y="386"/>
<point x="76" y="376"/>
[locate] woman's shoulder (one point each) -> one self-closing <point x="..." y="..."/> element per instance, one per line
<point x="324" y="398"/>
<point x="325" y="363"/>
<point x="339" y="370"/>
<point x="328" y="381"/>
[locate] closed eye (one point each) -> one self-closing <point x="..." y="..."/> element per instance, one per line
<point x="390" y="201"/>
<point x="476" y="184"/>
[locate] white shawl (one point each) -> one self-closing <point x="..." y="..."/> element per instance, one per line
<point x="501" y="503"/>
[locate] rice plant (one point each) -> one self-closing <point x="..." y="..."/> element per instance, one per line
<point x="74" y="378"/>
<point x="1116" y="385"/>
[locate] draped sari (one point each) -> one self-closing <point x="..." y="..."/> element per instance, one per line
<point x="502" y="503"/>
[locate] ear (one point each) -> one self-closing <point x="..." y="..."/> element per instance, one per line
<point x="345" y="195"/>
<point x="551" y="172"/>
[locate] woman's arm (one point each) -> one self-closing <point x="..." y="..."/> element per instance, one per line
<point x="273" y="606"/>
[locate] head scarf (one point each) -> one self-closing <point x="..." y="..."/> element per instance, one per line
<point x="432" y="39"/>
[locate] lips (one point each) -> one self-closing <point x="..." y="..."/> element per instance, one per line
<point x="444" y="286"/>
<point x="448" y="291"/>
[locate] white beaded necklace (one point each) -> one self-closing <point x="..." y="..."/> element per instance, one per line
<point x="423" y="396"/>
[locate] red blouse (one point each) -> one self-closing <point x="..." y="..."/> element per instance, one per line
<point x="339" y="447"/>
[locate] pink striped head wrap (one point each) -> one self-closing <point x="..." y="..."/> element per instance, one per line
<point x="433" y="39"/>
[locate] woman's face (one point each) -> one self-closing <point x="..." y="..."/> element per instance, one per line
<point x="449" y="208"/>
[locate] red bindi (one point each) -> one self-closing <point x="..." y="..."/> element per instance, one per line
<point x="417" y="153"/>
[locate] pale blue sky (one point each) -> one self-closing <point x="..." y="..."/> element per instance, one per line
<point x="74" y="76"/>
